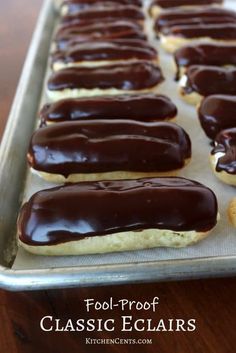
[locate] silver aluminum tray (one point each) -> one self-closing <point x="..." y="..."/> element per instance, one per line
<point x="12" y="179"/>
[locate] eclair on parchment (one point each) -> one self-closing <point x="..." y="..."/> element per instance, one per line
<point x="111" y="216"/>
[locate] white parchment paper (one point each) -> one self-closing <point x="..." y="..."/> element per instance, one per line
<point x="222" y="241"/>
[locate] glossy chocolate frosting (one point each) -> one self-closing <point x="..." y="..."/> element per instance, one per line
<point x="105" y="51"/>
<point x="207" y="80"/>
<point x="114" y="26"/>
<point x="216" y="113"/>
<point x="75" y="6"/>
<point x="65" y="37"/>
<point x="122" y="42"/>
<point x="198" y="12"/>
<point x="175" y="3"/>
<point x="125" y="12"/>
<point x="108" y="145"/>
<point x="175" y="17"/>
<point x="195" y="21"/>
<point x="133" y="76"/>
<point x="205" y="54"/>
<point x="106" y="207"/>
<point x="218" y="31"/>
<point x="226" y="143"/>
<point x="142" y="107"/>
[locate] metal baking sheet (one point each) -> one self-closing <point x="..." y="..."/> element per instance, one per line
<point x="215" y="256"/>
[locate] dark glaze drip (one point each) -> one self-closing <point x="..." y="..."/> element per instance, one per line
<point x="215" y="31"/>
<point x="142" y="107"/>
<point x="207" y="80"/>
<point x="102" y="13"/>
<point x="96" y="51"/>
<point x="106" y="207"/>
<point x="205" y="54"/>
<point x="133" y="76"/>
<point x="65" y="37"/>
<point x="105" y="146"/>
<point x="216" y="113"/>
<point x="226" y="142"/>
<point x="75" y="6"/>
<point x="175" y="3"/>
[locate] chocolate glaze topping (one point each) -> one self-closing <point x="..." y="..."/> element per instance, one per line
<point x="125" y="12"/>
<point x="205" y="54"/>
<point x="195" y="21"/>
<point x="106" y="207"/>
<point x="123" y="42"/>
<point x="181" y="14"/>
<point x="216" y="113"/>
<point x="226" y="142"/>
<point x="96" y="51"/>
<point x="108" y="145"/>
<point x="114" y="26"/>
<point x="142" y="107"/>
<point x="75" y="6"/>
<point x="65" y="37"/>
<point x="218" y="31"/>
<point x="174" y="3"/>
<point x="63" y="43"/>
<point x="196" y="16"/>
<point x="132" y="76"/>
<point x="207" y="80"/>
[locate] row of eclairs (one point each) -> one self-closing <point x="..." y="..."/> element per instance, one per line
<point x="111" y="142"/>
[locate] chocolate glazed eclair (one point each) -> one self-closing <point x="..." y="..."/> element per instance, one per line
<point x="176" y="37"/>
<point x="73" y="7"/>
<point x="108" y="149"/>
<point x="111" y="216"/>
<point x="91" y="54"/>
<point x="212" y="54"/>
<point x="71" y="36"/>
<point x="216" y="113"/>
<point x="197" y="16"/>
<point x="104" y="14"/>
<point x="141" y="107"/>
<point x="142" y="76"/>
<point x="177" y="28"/>
<point x="200" y="81"/>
